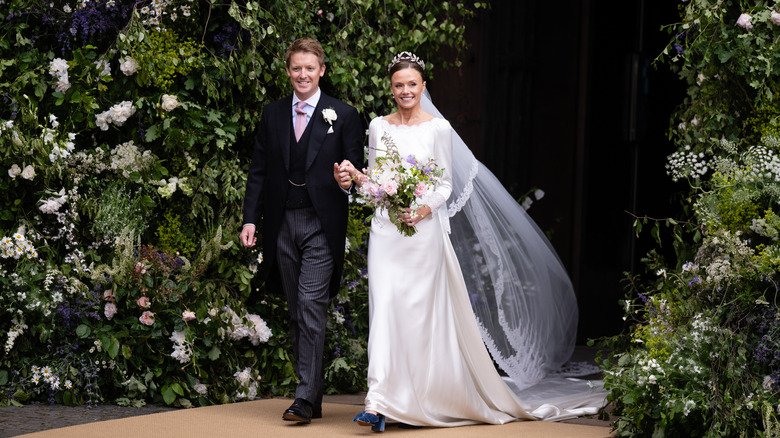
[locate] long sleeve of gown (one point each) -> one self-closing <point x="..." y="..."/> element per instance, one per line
<point x="443" y="155"/>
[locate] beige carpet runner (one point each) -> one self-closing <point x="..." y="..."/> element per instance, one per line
<point x="263" y="418"/>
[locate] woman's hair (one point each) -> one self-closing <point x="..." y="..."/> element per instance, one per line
<point x="306" y="45"/>
<point x="406" y="60"/>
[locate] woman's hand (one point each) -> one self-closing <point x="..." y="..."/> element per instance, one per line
<point x="413" y="217"/>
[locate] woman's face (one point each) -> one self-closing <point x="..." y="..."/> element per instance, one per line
<point x="407" y="87"/>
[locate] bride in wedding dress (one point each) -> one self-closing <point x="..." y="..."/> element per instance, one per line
<point x="477" y="275"/>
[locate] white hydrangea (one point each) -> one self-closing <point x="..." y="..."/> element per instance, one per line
<point x="257" y="331"/>
<point x="127" y="158"/>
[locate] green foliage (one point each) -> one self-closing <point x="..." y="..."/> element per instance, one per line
<point x="698" y="359"/>
<point x="163" y="57"/>
<point x="172" y="237"/>
<point x="125" y="146"/>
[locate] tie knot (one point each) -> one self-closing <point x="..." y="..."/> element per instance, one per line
<point x="299" y="107"/>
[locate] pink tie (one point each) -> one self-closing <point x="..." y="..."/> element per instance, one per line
<point x="300" y="120"/>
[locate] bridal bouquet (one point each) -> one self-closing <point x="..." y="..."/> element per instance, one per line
<point x="396" y="183"/>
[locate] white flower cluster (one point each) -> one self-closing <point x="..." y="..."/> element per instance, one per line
<point x="200" y="388"/>
<point x="87" y="164"/>
<point x="59" y="70"/>
<point x="127" y="158"/>
<point x="60" y="149"/>
<point x="725" y="257"/>
<point x="27" y="173"/>
<point x="762" y="227"/>
<point x="182" y="350"/>
<point x="128" y="66"/>
<point x="154" y="13"/>
<point x="761" y="163"/>
<point x="18" y="327"/>
<point x="257" y="330"/>
<point x="253" y="266"/>
<point x="16" y="247"/>
<point x="248" y="388"/>
<point x="168" y="187"/>
<point x="701" y="326"/>
<point x="52" y="205"/>
<point x="683" y="164"/>
<point x="117" y="114"/>
<point x="103" y="67"/>
<point x="9" y="125"/>
<point x="652" y="369"/>
<point x="48" y="376"/>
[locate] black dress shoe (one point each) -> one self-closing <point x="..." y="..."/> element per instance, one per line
<point x="299" y="411"/>
<point x="316" y="411"/>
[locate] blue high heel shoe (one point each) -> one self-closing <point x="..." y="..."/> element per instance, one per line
<point x="377" y="422"/>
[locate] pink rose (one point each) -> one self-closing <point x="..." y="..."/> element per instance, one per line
<point x="109" y="310"/>
<point x="390" y="187"/>
<point x="147" y="318"/>
<point x="420" y="190"/>
<point x="187" y="315"/>
<point x="143" y="302"/>
<point x="373" y="189"/>
<point x="744" y="21"/>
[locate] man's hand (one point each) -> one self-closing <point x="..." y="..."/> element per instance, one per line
<point x="247" y="236"/>
<point x="342" y="175"/>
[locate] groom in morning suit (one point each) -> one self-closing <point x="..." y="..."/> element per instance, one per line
<point x="292" y="185"/>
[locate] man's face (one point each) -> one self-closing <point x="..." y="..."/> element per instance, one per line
<point x="305" y="72"/>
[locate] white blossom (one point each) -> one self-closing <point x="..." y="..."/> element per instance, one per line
<point x="128" y="66"/>
<point x="169" y="102"/>
<point x="28" y="172"/>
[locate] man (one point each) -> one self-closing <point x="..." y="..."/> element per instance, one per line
<point x="292" y="184"/>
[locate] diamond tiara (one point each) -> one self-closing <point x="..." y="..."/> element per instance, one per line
<point x="406" y="56"/>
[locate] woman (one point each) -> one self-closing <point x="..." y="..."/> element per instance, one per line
<point x="428" y="365"/>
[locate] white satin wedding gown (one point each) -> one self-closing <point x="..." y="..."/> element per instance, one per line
<point x="428" y="365"/>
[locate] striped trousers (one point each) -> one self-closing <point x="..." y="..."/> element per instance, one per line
<point x="306" y="266"/>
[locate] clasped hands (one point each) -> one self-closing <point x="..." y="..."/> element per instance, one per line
<point x="345" y="174"/>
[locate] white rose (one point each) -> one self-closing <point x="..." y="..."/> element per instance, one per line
<point x="329" y="114"/>
<point x="128" y="66"/>
<point x="102" y="120"/>
<point x="169" y="102"/>
<point x="775" y="18"/>
<point x="62" y="84"/>
<point x="744" y="21"/>
<point x="58" y="66"/>
<point x="28" y="173"/>
<point x="14" y="171"/>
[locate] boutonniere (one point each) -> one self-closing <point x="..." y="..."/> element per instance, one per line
<point x="329" y="114"/>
